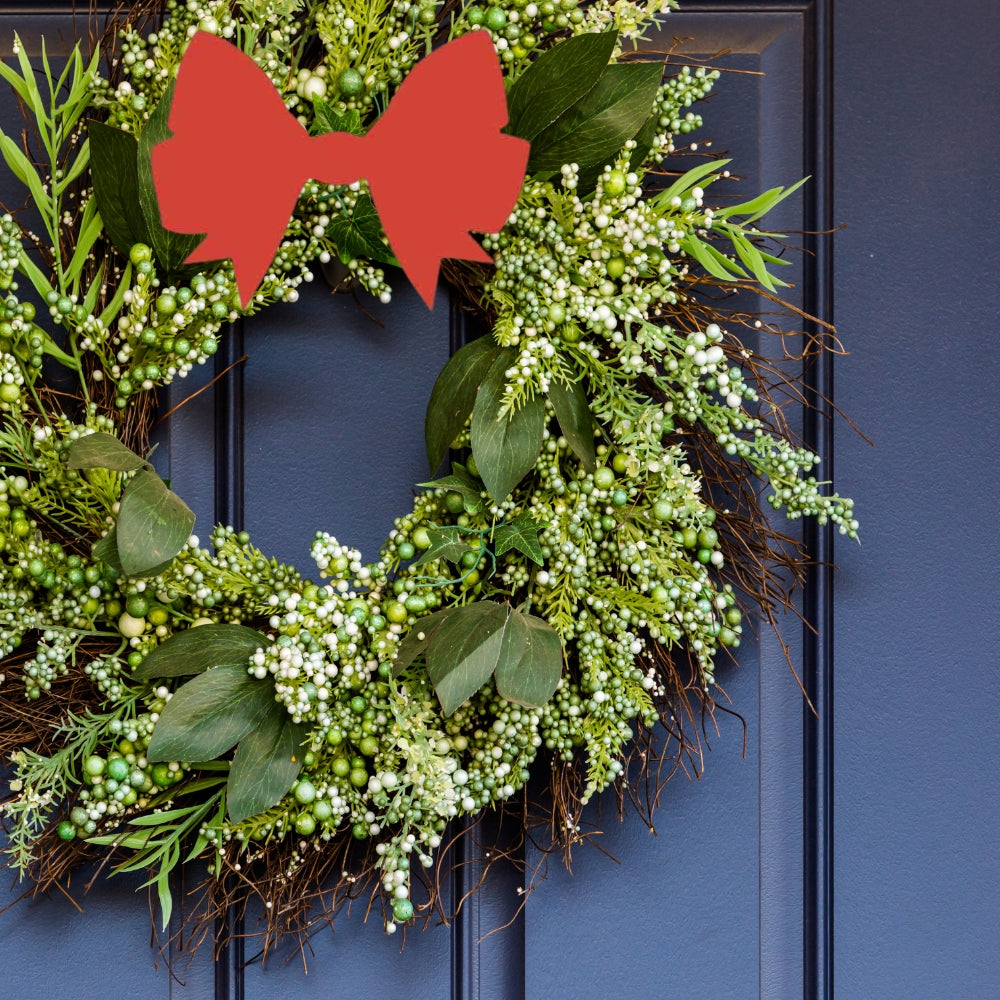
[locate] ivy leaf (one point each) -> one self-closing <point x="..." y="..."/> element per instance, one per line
<point x="101" y="450"/>
<point x="520" y="534"/>
<point x="359" y="234"/>
<point x="597" y="126"/>
<point x="569" y="400"/>
<point x="415" y="641"/>
<point x="556" y="80"/>
<point x="171" y="249"/>
<point x="266" y="764"/>
<point x="461" y="481"/>
<point x="505" y="445"/>
<point x="210" y="714"/>
<point x="198" y="649"/>
<point x="463" y="651"/>
<point x="115" y="173"/>
<point x="529" y="672"/>
<point x="454" y="395"/>
<point x="326" y="118"/>
<point x="153" y="524"/>
<point x="446" y="543"/>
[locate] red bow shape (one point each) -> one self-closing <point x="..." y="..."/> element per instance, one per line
<point x="436" y="162"/>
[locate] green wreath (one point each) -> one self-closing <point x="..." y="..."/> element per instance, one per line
<point x="566" y="586"/>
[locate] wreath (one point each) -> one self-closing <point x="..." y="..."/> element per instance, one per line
<point x="555" y="600"/>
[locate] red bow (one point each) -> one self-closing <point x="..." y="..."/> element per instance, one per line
<point x="436" y="162"/>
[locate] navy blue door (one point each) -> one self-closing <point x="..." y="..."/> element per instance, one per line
<point x="849" y="854"/>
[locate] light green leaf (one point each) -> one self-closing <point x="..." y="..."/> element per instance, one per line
<point x="463" y="651"/>
<point x="454" y="395"/>
<point x="266" y="763"/>
<point x="520" y="534"/>
<point x="210" y="714"/>
<point x="171" y="249"/>
<point x="23" y="169"/>
<point x="153" y="524"/>
<point x="597" y="126"/>
<point x="415" y="641"/>
<point x="531" y="677"/>
<point x="107" y="551"/>
<point x="505" y="445"/>
<point x="712" y="260"/>
<point x="198" y="649"/>
<point x="446" y="543"/>
<point x="569" y="400"/>
<point x="556" y="80"/>
<point x="115" y="173"/>
<point x="101" y="450"/>
<point x="687" y="181"/>
<point x="761" y="205"/>
<point x="164" y="896"/>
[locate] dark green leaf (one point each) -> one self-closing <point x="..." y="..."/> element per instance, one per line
<point x="505" y="445"/>
<point x="461" y="481"/>
<point x="446" y="543"/>
<point x="329" y="119"/>
<point x="210" y="714"/>
<point x="153" y="524"/>
<point x="415" y="641"/>
<point x="454" y="394"/>
<point x="114" y="171"/>
<point x="198" y="649"/>
<point x="107" y="551"/>
<point x="556" y="80"/>
<point x="597" y="126"/>
<point x="171" y="249"/>
<point x="520" y="534"/>
<point x="101" y="450"/>
<point x="569" y="400"/>
<point x="532" y="677"/>
<point x="462" y="652"/>
<point x="265" y="765"/>
<point x="587" y="177"/>
<point x="359" y="234"/>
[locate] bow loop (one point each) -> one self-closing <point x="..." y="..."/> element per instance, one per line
<point x="436" y="162"/>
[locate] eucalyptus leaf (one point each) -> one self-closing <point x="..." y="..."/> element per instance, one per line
<point x="531" y="677"/>
<point x="556" y="80"/>
<point x="454" y="395"/>
<point x="505" y="445"/>
<point x="266" y="764"/>
<point x="195" y="650"/>
<point x="210" y="714"/>
<point x="415" y="641"/>
<point x="463" y="651"/>
<point x="171" y="249"/>
<point x="107" y="551"/>
<point x="569" y="400"/>
<point x="114" y="170"/>
<point x="597" y="126"/>
<point x="101" y="450"/>
<point x="153" y="524"/>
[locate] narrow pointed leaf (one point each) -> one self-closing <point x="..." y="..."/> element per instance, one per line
<point x="531" y="678"/>
<point x="198" y="649"/>
<point x="153" y="524"/>
<point x="266" y="764"/>
<point x="569" y="400"/>
<point x="454" y="395"/>
<point x="210" y="714"/>
<point x="101" y="450"/>
<point x="463" y="652"/>
<point x="505" y="445"/>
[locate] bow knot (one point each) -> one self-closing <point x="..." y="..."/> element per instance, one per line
<point x="436" y="162"/>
